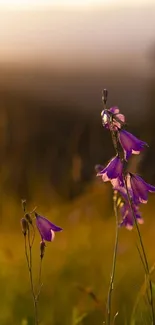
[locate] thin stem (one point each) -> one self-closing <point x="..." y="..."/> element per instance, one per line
<point x="141" y="257"/>
<point x="39" y="279"/>
<point x="143" y="251"/>
<point x="115" y="318"/>
<point x="33" y="235"/>
<point x="111" y="285"/>
<point x="40" y="270"/>
<point x="26" y="252"/>
<point x="144" y="258"/>
<point x="31" y="279"/>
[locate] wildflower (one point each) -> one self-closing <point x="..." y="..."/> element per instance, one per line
<point x="113" y="171"/>
<point x="130" y="144"/>
<point x="139" y="188"/>
<point x="127" y="215"/>
<point x="111" y="118"/>
<point x="46" y="228"/>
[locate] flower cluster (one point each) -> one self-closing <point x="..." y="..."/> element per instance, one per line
<point x="131" y="187"/>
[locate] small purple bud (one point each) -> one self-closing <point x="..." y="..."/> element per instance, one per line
<point x="28" y="218"/>
<point x="99" y="168"/>
<point x="42" y="249"/>
<point x="24" y="226"/>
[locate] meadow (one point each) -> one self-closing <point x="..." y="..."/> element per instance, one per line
<point x="49" y="148"/>
<point x="77" y="264"/>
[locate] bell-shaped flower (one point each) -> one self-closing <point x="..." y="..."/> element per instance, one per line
<point x="46" y="228"/>
<point x="112" y="119"/>
<point x="130" y="144"/>
<point x="127" y="215"/>
<point x="113" y="171"/>
<point x="139" y="188"/>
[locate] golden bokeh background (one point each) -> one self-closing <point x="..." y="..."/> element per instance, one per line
<point x="55" y="59"/>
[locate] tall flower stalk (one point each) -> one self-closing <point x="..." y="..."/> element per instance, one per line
<point x="111" y="285"/>
<point x="47" y="232"/>
<point x="111" y="168"/>
<point x="131" y="188"/>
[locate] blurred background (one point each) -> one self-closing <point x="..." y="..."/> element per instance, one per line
<point x="56" y="56"/>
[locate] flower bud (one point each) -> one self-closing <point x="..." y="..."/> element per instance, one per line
<point x="98" y="168"/>
<point x="119" y="201"/>
<point x="42" y="249"/>
<point x="115" y="196"/>
<point x="24" y="226"/>
<point x="24" y="205"/>
<point x="28" y="218"/>
<point x="104" y="95"/>
<point x="121" y="204"/>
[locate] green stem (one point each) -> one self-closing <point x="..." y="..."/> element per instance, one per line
<point x="143" y="251"/>
<point x="39" y="279"/>
<point x="29" y="261"/>
<point x="111" y="285"/>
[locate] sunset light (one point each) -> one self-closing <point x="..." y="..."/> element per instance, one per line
<point x="28" y="4"/>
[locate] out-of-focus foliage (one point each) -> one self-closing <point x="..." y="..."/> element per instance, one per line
<point x="47" y="137"/>
<point x="76" y="265"/>
<point x="51" y="137"/>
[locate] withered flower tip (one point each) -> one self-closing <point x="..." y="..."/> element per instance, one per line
<point x="24" y="226"/>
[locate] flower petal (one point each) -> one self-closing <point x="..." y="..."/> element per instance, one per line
<point x="127" y="216"/>
<point x="130" y="144"/>
<point x="114" y="110"/>
<point x="127" y="219"/>
<point x="52" y="235"/>
<point x="121" y="117"/>
<point x="46" y="228"/>
<point x="139" y="189"/>
<point x="113" y="170"/>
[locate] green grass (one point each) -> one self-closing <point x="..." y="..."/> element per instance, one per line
<point x="79" y="256"/>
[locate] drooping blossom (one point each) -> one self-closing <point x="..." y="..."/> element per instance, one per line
<point x="130" y="144"/>
<point x="132" y="188"/>
<point x="113" y="171"/>
<point x="111" y="118"/>
<point x="128" y="217"/>
<point x="139" y="188"/>
<point x="46" y="228"/>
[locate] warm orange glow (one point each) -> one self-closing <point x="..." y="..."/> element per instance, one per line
<point x="22" y="4"/>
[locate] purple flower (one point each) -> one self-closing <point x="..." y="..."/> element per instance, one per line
<point x="111" y="118"/>
<point x="127" y="216"/>
<point x="113" y="171"/>
<point x="121" y="189"/>
<point x="139" y="188"/>
<point x="130" y="144"/>
<point x="114" y="110"/>
<point x="46" y="228"/>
